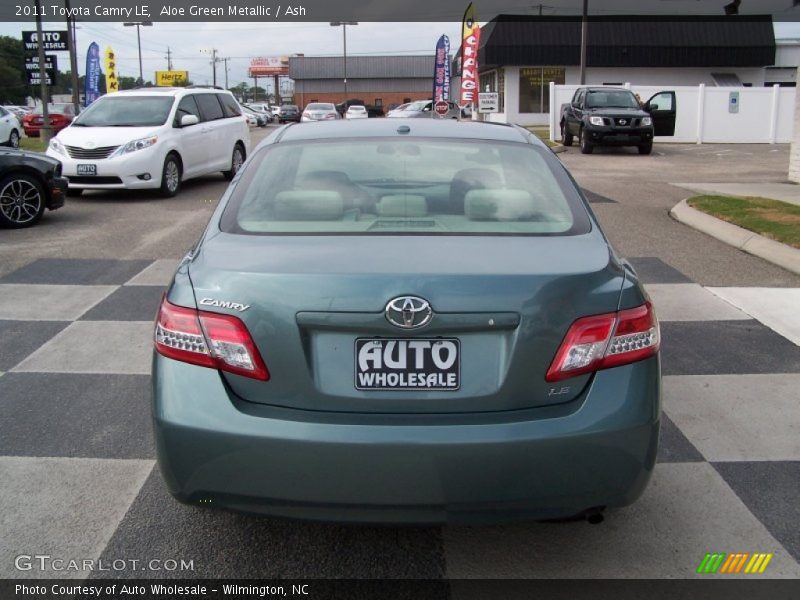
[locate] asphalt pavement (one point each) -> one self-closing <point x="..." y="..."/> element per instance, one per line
<point x="77" y="462"/>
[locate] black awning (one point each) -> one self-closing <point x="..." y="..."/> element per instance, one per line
<point x="633" y="41"/>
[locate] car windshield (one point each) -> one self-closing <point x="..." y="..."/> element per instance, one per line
<point x="60" y="109"/>
<point x="611" y="99"/>
<point x="126" y="111"/>
<point x="390" y="186"/>
<point x="319" y="106"/>
<point x="418" y="105"/>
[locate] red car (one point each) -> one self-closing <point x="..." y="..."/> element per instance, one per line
<point x="60" y="115"/>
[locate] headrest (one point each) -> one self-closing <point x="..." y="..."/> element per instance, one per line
<point x="499" y="205"/>
<point x="308" y="205"/>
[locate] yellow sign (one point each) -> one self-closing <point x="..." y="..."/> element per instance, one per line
<point x="170" y="78"/>
<point x="112" y="83"/>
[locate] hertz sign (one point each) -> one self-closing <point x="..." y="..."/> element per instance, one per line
<point x="170" y="78"/>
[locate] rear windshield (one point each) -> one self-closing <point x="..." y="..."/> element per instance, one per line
<point x="126" y="111"/>
<point x="318" y="106"/>
<point x="413" y="186"/>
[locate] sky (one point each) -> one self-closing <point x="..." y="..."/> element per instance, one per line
<point x="190" y="43"/>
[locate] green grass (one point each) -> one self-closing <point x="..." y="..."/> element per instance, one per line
<point x="32" y="144"/>
<point x="776" y="220"/>
<point x="543" y="133"/>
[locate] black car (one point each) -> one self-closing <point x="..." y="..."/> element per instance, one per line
<point x="29" y="183"/>
<point x="608" y="116"/>
<point x="289" y="112"/>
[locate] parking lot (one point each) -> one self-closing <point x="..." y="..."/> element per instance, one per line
<point x="76" y="455"/>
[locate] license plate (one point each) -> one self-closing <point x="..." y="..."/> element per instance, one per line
<point x="87" y="169"/>
<point x="408" y="364"/>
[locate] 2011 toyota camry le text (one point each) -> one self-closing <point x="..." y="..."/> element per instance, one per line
<point x="406" y="321"/>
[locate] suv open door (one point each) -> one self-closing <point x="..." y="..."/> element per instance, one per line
<point x="663" y="107"/>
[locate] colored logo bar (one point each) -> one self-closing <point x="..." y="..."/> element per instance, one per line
<point x="735" y="563"/>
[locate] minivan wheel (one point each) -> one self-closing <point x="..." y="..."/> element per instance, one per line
<point x="13" y="139"/>
<point x="21" y="201"/>
<point x="171" y="176"/>
<point x="237" y="160"/>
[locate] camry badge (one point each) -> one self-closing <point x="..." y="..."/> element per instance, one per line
<point x="408" y="312"/>
<point x="224" y="304"/>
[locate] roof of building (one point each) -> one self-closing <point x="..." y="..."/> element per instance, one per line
<point x="361" y="67"/>
<point x="629" y="41"/>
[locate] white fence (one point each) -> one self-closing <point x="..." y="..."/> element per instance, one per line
<point x="765" y="116"/>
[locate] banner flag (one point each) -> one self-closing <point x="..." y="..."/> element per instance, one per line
<point x="92" y="89"/>
<point x="112" y="83"/>
<point x="470" y="40"/>
<point x="441" y="70"/>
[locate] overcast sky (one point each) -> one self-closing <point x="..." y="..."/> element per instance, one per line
<point x="243" y="41"/>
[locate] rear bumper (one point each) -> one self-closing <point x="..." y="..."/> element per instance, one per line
<point x="598" y="450"/>
<point x="620" y="137"/>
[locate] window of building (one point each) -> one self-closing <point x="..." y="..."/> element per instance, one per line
<point x="378" y="102"/>
<point x="534" y="87"/>
<point x="493" y="81"/>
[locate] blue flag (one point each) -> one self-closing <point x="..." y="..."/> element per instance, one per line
<point x="92" y="87"/>
<point x="441" y="70"/>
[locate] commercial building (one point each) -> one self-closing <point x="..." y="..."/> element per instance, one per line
<point x="520" y="56"/>
<point x="377" y="80"/>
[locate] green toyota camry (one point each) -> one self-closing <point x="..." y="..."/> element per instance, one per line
<point x="406" y="321"/>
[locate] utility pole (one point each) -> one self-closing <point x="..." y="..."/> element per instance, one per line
<point x="169" y="59"/>
<point x="138" y="25"/>
<point x="225" y="60"/>
<point x="46" y="132"/>
<point x="73" y="60"/>
<point x="584" y="39"/>
<point x="343" y="25"/>
<point x="214" y="61"/>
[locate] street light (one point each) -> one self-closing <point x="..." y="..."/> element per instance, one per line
<point x="139" y="42"/>
<point x="344" y="25"/>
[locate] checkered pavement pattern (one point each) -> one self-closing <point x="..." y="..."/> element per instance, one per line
<point x="79" y="479"/>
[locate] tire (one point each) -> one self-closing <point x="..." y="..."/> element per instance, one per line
<point x="171" y="176"/>
<point x="13" y="138"/>
<point x="646" y="149"/>
<point x="74" y="192"/>
<point x="22" y="200"/>
<point x="566" y="137"/>
<point x="237" y="158"/>
<point x="586" y="146"/>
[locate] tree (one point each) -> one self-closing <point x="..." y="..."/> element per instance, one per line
<point x="13" y="83"/>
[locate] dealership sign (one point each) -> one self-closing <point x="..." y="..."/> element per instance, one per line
<point x="268" y="66"/>
<point x="170" y="78"/>
<point x="33" y="72"/>
<point x="54" y="41"/>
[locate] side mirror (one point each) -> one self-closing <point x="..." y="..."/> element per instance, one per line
<point x="652" y="107"/>
<point x="187" y="120"/>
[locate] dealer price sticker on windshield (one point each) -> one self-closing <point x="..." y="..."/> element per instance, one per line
<point x="407" y="364"/>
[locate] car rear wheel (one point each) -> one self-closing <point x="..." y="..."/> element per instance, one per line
<point x="566" y="137"/>
<point x="21" y="201"/>
<point x="13" y="139"/>
<point x="237" y="159"/>
<point x="646" y="148"/>
<point x="586" y="146"/>
<point x="171" y="176"/>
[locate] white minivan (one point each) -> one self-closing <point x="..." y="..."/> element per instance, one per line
<point x="152" y="138"/>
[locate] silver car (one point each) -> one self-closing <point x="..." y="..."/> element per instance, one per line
<point x="320" y="111"/>
<point x="424" y="109"/>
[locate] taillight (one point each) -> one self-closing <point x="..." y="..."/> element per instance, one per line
<point x="604" y="341"/>
<point x="209" y="340"/>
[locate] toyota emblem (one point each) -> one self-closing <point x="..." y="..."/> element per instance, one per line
<point x="408" y="312"/>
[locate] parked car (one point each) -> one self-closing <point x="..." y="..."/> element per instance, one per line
<point x="320" y="111"/>
<point x="356" y="112"/>
<point x="153" y="138"/>
<point x="288" y="113"/>
<point x="261" y="120"/>
<point x="424" y="109"/>
<point x="29" y="184"/>
<point x="19" y="112"/>
<point x="9" y="128"/>
<point x="60" y="115"/>
<point x="609" y="116"/>
<point x="317" y="354"/>
<point x="393" y="108"/>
